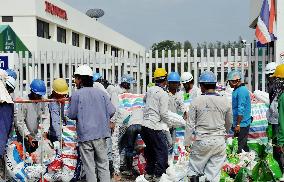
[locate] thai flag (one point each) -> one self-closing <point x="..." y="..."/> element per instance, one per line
<point x="266" y="24"/>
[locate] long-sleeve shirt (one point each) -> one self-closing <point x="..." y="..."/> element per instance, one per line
<point x="209" y="115"/>
<point x="92" y="109"/>
<point x="176" y="104"/>
<point x="29" y="117"/>
<point x="156" y="109"/>
<point x="100" y="86"/>
<point x="241" y="105"/>
<point x="55" y="121"/>
<point x="6" y="121"/>
<point x="280" y="135"/>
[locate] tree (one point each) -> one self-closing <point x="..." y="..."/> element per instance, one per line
<point x="167" y="45"/>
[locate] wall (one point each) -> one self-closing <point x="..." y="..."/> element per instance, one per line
<point x="24" y="24"/>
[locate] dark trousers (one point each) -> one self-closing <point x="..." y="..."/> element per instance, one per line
<point x="130" y="136"/>
<point x="156" y="151"/>
<point x="242" y="139"/>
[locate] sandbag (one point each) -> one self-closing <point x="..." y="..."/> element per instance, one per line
<point x="48" y="153"/>
<point x="14" y="163"/>
<point x="262" y="96"/>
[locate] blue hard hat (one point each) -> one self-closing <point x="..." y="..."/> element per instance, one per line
<point x="12" y="73"/>
<point x="96" y="76"/>
<point x="207" y="77"/>
<point x="234" y="75"/>
<point x="38" y="87"/>
<point x="127" y="78"/>
<point x="173" y="77"/>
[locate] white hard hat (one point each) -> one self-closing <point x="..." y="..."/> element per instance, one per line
<point x="270" y="68"/>
<point x="186" y="77"/>
<point x="11" y="82"/>
<point x="84" y="70"/>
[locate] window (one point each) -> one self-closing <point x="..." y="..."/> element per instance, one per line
<point x="7" y="18"/>
<point x="97" y="46"/>
<point x="87" y="43"/>
<point x="115" y="50"/>
<point x="75" y="39"/>
<point x="105" y="48"/>
<point x="43" y="29"/>
<point x="61" y="35"/>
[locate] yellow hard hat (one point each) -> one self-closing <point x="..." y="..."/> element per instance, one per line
<point x="160" y="72"/>
<point x="279" y="71"/>
<point x="60" y="86"/>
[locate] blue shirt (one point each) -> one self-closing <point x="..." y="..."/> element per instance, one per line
<point x="92" y="109"/>
<point x="6" y="121"/>
<point x="54" y="109"/>
<point x="241" y="106"/>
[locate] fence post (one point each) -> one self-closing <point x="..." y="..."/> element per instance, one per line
<point x="264" y="58"/>
<point x="215" y="64"/>
<point x="243" y="66"/>
<point x="163" y="59"/>
<point x="256" y="69"/>
<point x="169" y="61"/>
<point x="21" y="75"/>
<point x="181" y="61"/>
<point x="156" y="59"/>
<point x="195" y="67"/>
<point x="150" y="67"/>
<point x="201" y="60"/>
<point x="208" y="57"/>
<point x="249" y="57"/>
<point x="188" y="60"/>
<point x="222" y="67"/>
<point x="176" y="62"/>
<point x="235" y="58"/>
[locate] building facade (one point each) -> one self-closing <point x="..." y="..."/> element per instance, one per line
<point x="52" y="25"/>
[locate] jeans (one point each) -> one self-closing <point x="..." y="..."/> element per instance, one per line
<point x="156" y="151"/>
<point x="242" y="139"/>
<point x="94" y="154"/>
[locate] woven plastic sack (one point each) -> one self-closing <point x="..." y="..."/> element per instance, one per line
<point x="141" y="178"/>
<point x="14" y="163"/>
<point x="139" y="164"/>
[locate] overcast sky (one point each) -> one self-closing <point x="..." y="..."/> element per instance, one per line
<point x="150" y="21"/>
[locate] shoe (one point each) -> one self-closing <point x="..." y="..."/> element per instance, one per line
<point x="149" y="177"/>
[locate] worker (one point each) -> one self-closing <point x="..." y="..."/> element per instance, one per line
<point x="176" y="104"/>
<point x="241" y="105"/>
<point x="59" y="91"/>
<point x="278" y="97"/>
<point x="92" y="109"/>
<point x="210" y="121"/>
<point x="272" y="114"/>
<point x="156" y="119"/>
<point x="189" y="89"/>
<point x="269" y="71"/>
<point x="97" y="78"/>
<point x="123" y="87"/>
<point x="31" y="115"/>
<point x="114" y="92"/>
<point x="7" y="115"/>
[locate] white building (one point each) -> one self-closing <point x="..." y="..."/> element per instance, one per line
<point x="255" y="8"/>
<point x="52" y="25"/>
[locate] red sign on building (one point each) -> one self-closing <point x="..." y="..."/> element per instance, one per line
<point x="55" y="10"/>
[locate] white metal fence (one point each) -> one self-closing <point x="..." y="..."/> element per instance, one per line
<point x="50" y="65"/>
